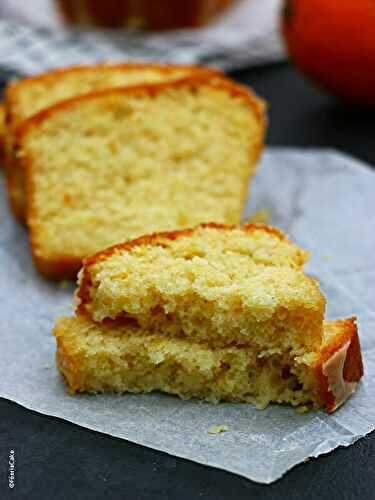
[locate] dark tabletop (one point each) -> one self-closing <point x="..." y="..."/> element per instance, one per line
<point x="59" y="460"/>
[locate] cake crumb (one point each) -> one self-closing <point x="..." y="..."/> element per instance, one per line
<point x="218" y="429"/>
<point x="261" y="216"/>
<point x="47" y="366"/>
<point x="327" y="258"/>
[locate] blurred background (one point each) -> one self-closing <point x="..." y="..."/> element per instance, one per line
<point x="312" y="60"/>
<point x="232" y="34"/>
<point x="164" y="14"/>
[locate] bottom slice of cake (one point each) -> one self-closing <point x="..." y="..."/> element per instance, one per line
<point x="111" y="358"/>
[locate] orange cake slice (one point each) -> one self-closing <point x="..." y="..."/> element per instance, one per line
<point x="24" y="98"/>
<point x="117" y="164"/>
<point x="217" y="284"/>
<point x="99" y="358"/>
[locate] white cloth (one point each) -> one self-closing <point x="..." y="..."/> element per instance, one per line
<point x="33" y="39"/>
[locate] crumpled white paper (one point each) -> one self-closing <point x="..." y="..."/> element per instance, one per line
<point x="326" y="202"/>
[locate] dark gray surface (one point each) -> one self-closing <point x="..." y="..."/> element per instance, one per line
<point x="55" y="459"/>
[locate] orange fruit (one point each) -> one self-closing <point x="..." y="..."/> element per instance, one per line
<point x="333" y="42"/>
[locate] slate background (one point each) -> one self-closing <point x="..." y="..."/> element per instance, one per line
<point x="59" y="460"/>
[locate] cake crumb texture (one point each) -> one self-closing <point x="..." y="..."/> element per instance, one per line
<point x="219" y="284"/>
<point x="26" y="97"/>
<point x="121" y="163"/>
<point x="99" y="358"/>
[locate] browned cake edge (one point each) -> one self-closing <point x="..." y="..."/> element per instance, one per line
<point x="348" y="339"/>
<point x="2" y="134"/>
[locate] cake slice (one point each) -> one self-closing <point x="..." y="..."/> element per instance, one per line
<point x="96" y="358"/>
<point x="113" y="165"/>
<point x="221" y="285"/>
<point x="216" y="312"/>
<point x="26" y="97"/>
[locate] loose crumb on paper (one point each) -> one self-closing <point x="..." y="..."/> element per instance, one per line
<point x="327" y="258"/>
<point x="47" y="366"/>
<point x="261" y="216"/>
<point x="217" y="429"/>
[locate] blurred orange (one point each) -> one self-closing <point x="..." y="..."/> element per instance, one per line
<point x="333" y="42"/>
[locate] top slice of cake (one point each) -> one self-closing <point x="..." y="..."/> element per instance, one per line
<point x="213" y="284"/>
<point x="26" y="97"/>
<point x="117" y="164"/>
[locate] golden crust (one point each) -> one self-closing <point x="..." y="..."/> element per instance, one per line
<point x="2" y="134"/>
<point x="152" y="89"/>
<point x="156" y="239"/>
<point x="12" y="171"/>
<point x="15" y="122"/>
<point x="81" y="68"/>
<point x="68" y="266"/>
<point x="11" y="90"/>
<point x="353" y="368"/>
<point x="67" y="366"/>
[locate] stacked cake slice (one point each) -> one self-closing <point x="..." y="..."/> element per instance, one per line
<point x="216" y="312"/>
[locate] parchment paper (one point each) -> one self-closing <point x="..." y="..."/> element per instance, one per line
<point x="326" y="202"/>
